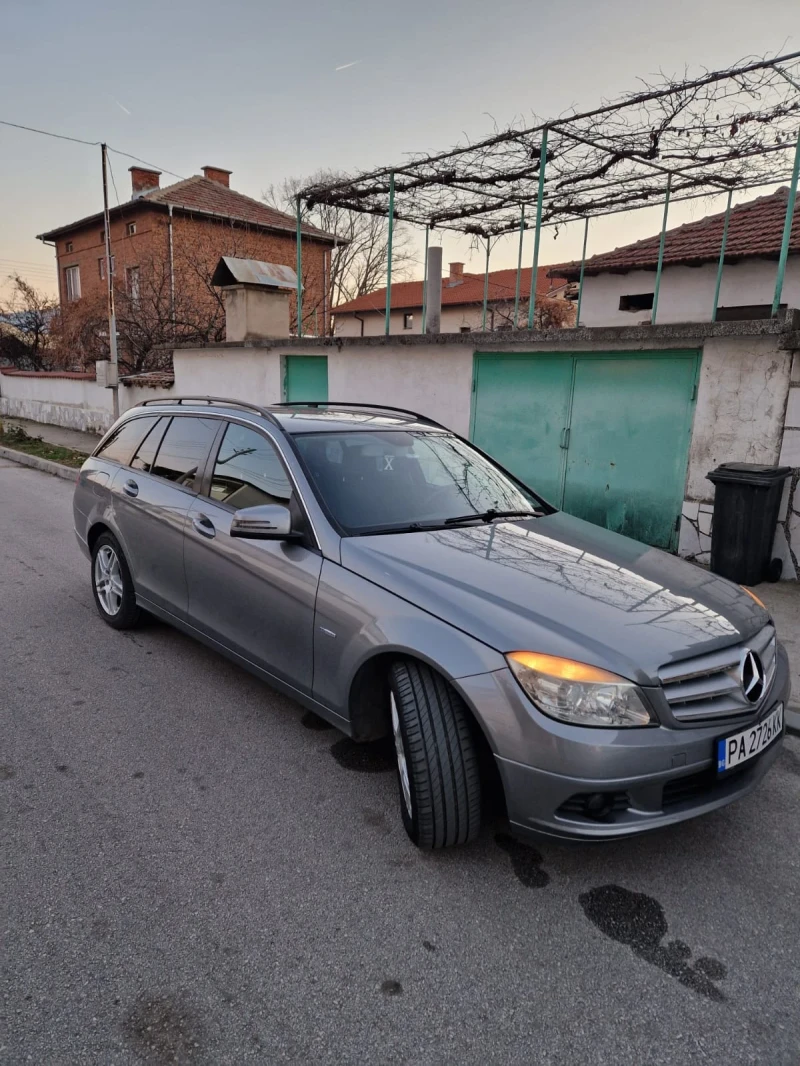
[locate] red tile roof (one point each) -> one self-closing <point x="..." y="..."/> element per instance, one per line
<point x="74" y="375"/>
<point x="468" y="289"/>
<point x="755" y="229"/>
<point x="200" y="195"/>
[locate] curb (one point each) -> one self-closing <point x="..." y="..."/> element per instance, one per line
<point x="69" y="473"/>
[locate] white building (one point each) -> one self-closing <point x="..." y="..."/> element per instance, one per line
<point x="462" y="304"/>
<point x="618" y="286"/>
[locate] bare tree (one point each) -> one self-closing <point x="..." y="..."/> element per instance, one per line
<point x="548" y="313"/>
<point x="25" y="320"/>
<point x="359" y="262"/>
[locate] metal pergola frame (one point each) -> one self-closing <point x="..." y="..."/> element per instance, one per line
<point x="722" y="132"/>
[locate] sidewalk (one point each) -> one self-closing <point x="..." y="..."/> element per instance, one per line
<point x="65" y="438"/>
<point x="783" y="600"/>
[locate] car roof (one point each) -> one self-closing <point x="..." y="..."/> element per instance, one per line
<point x="299" y="418"/>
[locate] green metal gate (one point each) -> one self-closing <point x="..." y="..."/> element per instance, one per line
<point x="305" y="377"/>
<point x="603" y="435"/>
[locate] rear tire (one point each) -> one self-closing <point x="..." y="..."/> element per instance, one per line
<point x="112" y="585"/>
<point x="437" y="759"/>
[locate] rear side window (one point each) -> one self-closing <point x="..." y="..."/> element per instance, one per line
<point x="143" y="460"/>
<point x="184" y="449"/>
<point x="121" y="445"/>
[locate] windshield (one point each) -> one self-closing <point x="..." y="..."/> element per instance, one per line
<point x="383" y="480"/>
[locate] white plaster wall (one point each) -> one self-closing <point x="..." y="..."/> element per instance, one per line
<point x="131" y="395"/>
<point x="252" y="374"/>
<point x="741" y="400"/>
<point x="76" y="403"/>
<point x="686" y="293"/>
<point x="432" y="381"/>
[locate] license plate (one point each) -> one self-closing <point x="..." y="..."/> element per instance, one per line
<point x="734" y="750"/>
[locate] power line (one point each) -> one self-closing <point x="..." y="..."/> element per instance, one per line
<point x="91" y="144"/>
<point x="154" y="166"/>
<point x="47" y="133"/>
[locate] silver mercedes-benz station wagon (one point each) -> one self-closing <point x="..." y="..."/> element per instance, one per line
<point x="398" y="582"/>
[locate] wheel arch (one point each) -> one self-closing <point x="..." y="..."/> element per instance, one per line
<point x="368" y="703"/>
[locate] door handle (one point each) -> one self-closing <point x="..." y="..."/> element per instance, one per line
<point x="564" y="443"/>
<point x="204" y="526"/>
<point x="130" y="488"/>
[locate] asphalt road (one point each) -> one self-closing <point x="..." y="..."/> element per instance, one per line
<point x="191" y="873"/>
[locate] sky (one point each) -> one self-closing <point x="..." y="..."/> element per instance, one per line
<point x="270" y="90"/>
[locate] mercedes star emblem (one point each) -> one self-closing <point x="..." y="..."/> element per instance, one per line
<point x="751" y="676"/>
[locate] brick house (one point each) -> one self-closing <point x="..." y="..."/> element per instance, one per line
<point x="165" y="243"/>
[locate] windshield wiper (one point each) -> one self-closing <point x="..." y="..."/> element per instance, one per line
<point x="490" y="515"/>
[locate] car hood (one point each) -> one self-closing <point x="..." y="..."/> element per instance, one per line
<point x="561" y="586"/>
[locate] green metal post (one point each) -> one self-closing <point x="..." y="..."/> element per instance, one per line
<point x="583" y="266"/>
<point x="661" y="251"/>
<point x="519" y="264"/>
<point x="787" y="230"/>
<point x="389" y="257"/>
<point x="486" y="285"/>
<point x="425" y="281"/>
<point x="538" y="231"/>
<point x="299" y="240"/>
<point x="721" y="264"/>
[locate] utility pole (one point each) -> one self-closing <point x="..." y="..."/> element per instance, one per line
<point x="112" y="317"/>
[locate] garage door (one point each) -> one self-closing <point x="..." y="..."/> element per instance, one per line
<point x="603" y="435"/>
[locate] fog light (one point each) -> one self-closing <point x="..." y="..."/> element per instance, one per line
<point x="599" y="804"/>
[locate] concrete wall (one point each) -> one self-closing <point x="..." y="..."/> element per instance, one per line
<point x="740" y="414"/>
<point x="687" y="293"/>
<point x="75" y="401"/>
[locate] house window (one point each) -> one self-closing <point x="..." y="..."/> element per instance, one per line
<point x="132" y="283"/>
<point x="102" y="236"/>
<point x="408" y="321"/>
<point x="637" y="301"/>
<point x="68" y="246"/>
<point x="72" y="280"/>
<point x="131" y="228"/>
<point x="101" y="267"/>
<point x="465" y="329"/>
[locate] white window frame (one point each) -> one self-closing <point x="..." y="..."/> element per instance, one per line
<point x="72" y="282"/>
<point x="408" y="320"/>
<point x="101" y="263"/>
<point x="131" y="229"/>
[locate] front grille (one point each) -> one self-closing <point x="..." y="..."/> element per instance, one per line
<point x="708" y="687"/>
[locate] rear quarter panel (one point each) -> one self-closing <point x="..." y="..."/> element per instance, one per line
<point x="91" y="501"/>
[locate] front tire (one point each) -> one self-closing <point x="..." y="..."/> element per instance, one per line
<point x="112" y="585"/>
<point x="437" y="759"/>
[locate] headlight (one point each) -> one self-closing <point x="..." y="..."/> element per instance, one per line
<point x="577" y="693"/>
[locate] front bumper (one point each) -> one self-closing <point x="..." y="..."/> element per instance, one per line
<point x="652" y="777"/>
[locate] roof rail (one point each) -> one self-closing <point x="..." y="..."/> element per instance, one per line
<point x="370" y="406"/>
<point x="210" y="400"/>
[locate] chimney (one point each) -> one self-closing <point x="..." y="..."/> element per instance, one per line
<point x="143" y="180"/>
<point x="456" y="273"/>
<point x="222" y="177"/>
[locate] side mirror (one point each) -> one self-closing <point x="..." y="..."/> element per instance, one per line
<point x="268" y="521"/>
